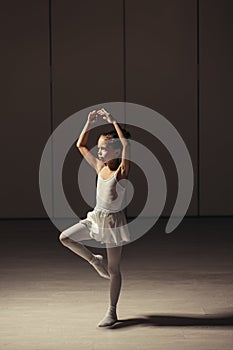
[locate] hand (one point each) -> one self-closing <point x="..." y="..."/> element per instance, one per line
<point x="106" y="115"/>
<point x="92" y="117"/>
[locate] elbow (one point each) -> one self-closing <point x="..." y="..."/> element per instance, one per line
<point x="125" y="144"/>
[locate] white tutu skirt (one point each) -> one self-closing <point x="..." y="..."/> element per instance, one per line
<point x="107" y="227"/>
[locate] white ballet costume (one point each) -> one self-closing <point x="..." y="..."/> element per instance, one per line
<point x="107" y="222"/>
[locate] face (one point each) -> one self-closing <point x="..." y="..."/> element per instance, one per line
<point x="105" y="151"/>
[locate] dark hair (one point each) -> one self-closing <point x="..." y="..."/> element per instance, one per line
<point x="113" y="135"/>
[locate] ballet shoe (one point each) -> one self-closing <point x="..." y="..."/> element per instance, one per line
<point x="109" y="319"/>
<point x="98" y="263"/>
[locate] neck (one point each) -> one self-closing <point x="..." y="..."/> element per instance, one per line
<point x="112" y="164"/>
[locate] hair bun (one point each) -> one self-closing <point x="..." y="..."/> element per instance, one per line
<point x="112" y="134"/>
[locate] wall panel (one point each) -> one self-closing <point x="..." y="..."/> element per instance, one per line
<point x="25" y="105"/>
<point x="216" y="110"/>
<point x="161" y="73"/>
<point x="87" y="42"/>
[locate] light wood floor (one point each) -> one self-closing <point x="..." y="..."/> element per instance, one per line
<point x="176" y="290"/>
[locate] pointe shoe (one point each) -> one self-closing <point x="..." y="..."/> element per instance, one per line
<point x="98" y="264"/>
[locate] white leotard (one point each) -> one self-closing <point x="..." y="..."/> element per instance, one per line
<point x="107" y="222"/>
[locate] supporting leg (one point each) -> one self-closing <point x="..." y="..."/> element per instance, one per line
<point x="114" y="257"/>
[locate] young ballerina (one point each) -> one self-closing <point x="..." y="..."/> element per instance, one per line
<point x="105" y="222"/>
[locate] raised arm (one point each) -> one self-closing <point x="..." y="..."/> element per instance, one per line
<point x="82" y="141"/>
<point x="125" y="162"/>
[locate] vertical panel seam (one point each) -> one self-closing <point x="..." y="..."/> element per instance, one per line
<point x="124" y="57"/>
<point x="51" y="97"/>
<point x="198" y="112"/>
<point x="124" y="73"/>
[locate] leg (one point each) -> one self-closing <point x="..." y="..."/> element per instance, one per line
<point x="114" y="257"/>
<point x="70" y="238"/>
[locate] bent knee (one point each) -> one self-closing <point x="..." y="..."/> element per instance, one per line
<point x="63" y="238"/>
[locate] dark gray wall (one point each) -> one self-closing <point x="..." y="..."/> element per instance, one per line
<point x="25" y="105"/>
<point x="216" y="109"/>
<point x="161" y="73"/>
<point x="153" y="50"/>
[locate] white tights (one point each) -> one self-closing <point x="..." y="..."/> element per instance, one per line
<point x="71" y="238"/>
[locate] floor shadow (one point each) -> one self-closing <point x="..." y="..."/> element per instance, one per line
<point x="225" y="319"/>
